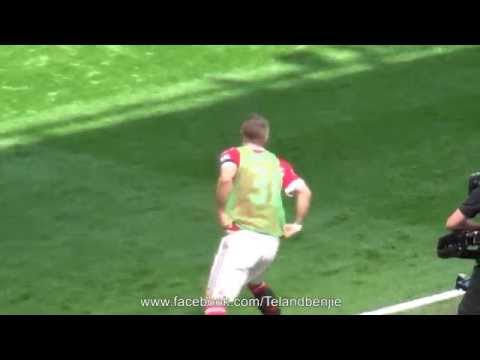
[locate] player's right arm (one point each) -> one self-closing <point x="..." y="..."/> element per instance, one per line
<point x="461" y="218"/>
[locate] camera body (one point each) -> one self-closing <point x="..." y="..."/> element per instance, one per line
<point x="459" y="244"/>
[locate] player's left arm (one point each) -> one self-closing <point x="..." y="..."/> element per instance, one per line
<point x="295" y="186"/>
<point x="303" y="195"/>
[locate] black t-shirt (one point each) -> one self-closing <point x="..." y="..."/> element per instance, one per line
<point x="471" y="206"/>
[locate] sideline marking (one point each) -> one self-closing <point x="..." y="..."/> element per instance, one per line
<point x="413" y="304"/>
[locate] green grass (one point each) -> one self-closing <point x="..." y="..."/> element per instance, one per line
<point x="108" y="163"/>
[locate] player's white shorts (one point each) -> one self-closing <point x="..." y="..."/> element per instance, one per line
<point x="242" y="258"/>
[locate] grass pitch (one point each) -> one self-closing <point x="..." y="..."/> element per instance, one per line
<point x="108" y="163"/>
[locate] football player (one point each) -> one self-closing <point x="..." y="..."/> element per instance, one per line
<point x="250" y="210"/>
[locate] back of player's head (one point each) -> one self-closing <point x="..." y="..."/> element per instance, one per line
<point x="256" y="129"/>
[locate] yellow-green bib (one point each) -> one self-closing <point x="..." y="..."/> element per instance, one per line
<point x="255" y="202"/>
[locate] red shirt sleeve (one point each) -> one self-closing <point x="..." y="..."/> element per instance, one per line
<point x="289" y="174"/>
<point x="230" y="155"/>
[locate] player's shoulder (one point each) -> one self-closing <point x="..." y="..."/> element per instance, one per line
<point x="230" y="150"/>
<point x="285" y="164"/>
<point x="289" y="175"/>
<point x="231" y="154"/>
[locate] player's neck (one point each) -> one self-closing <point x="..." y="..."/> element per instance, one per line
<point x="253" y="146"/>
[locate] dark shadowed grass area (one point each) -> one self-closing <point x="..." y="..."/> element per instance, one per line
<point x="95" y="219"/>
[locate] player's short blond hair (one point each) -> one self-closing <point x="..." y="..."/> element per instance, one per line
<point x="256" y="129"/>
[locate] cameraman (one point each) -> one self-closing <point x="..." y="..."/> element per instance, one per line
<point x="461" y="219"/>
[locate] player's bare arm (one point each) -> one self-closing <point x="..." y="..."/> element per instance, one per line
<point x="224" y="187"/>
<point x="303" y="196"/>
<point x="458" y="221"/>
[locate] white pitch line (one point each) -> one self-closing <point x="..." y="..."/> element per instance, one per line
<point x="413" y="304"/>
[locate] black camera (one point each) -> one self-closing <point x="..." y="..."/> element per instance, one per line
<point x="462" y="244"/>
<point x="459" y="244"/>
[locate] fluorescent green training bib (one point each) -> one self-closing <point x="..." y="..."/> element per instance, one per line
<point x="255" y="202"/>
